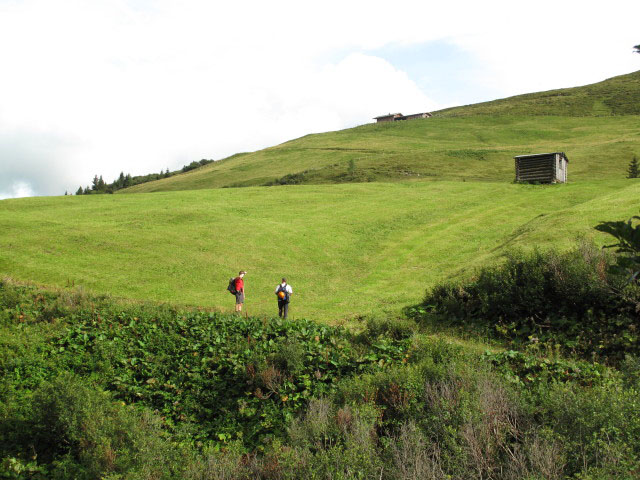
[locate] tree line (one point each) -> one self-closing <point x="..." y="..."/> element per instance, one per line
<point x="99" y="186"/>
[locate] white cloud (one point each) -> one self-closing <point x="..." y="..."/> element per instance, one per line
<point x="18" y="190"/>
<point x="140" y="86"/>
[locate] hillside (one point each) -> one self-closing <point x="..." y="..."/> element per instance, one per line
<point x="598" y="126"/>
<point x="347" y="250"/>
<point x="612" y="97"/>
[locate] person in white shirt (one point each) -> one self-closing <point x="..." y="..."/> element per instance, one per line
<point x="283" y="292"/>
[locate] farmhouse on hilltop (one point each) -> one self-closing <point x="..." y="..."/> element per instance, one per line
<point x="394" y="117"/>
<point x="542" y="167"/>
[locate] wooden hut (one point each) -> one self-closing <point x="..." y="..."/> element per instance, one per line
<point x="390" y="117"/>
<point x="394" y="117"/>
<point x="542" y="167"/>
<point x="415" y="116"/>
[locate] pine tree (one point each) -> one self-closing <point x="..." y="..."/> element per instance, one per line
<point x="94" y="183"/>
<point x="79" y="191"/>
<point x="633" y="168"/>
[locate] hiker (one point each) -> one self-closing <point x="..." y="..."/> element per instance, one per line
<point x="283" y="292"/>
<point x="239" y="290"/>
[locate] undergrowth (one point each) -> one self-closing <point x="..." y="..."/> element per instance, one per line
<point x="93" y="388"/>
<point x="545" y="301"/>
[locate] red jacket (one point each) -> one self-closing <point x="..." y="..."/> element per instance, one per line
<point x="239" y="284"/>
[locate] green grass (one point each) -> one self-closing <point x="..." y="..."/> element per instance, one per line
<point x="470" y="148"/>
<point x="348" y="244"/>
<point x="614" y="96"/>
<point x="347" y="250"/>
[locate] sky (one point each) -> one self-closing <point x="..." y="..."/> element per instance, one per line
<point x="103" y="86"/>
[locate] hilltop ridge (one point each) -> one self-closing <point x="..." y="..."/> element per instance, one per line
<point x="613" y="96"/>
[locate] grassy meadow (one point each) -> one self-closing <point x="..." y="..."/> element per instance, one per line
<point x="347" y="250"/>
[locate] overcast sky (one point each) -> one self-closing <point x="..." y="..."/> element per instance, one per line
<point x="103" y="86"/>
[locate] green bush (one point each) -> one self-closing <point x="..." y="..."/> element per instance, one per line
<point x="569" y="299"/>
<point x="74" y="430"/>
<point x="599" y="426"/>
<point x="388" y="327"/>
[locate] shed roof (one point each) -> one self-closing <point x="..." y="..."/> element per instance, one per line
<point x="387" y="115"/>
<point x="542" y="155"/>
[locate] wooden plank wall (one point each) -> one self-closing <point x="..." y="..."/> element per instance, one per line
<point x="541" y="169"/>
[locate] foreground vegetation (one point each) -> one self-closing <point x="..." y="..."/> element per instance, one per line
<point x="94" y="388"/>
<point x="546" y="300"/>
<point x="347" y="250"/>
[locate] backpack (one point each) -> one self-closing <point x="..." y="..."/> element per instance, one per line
<point x="286" y="294"/>
<point x="232" y="286"/>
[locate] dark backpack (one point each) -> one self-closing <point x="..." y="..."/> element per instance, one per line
<point x="232" y="286"/>
<point x="286" y="294"/>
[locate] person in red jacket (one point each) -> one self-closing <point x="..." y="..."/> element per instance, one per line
<point x="240" y="290"/>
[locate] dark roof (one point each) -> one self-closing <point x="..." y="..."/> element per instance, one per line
<point x="542" y="155"/>
<point x="387" y="115"/>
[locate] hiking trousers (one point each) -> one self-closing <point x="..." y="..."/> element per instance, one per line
<point x="283" y="309"/>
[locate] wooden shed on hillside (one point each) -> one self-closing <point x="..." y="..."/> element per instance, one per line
<point x="390" y="117"/>
<point x="414" y="116"/>
<point x="542" y="167"/>
<point x="394" y="117"/>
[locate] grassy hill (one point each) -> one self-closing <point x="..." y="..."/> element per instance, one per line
<point x="612" y="97"/>
<point x="448" y="204"/>
<point x="348" y="250"/>
<point x="598" y="126"/>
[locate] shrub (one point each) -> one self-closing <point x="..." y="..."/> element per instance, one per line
<point x="545" y="297"/>
<point x="413" y="456"/>
<point x="336" y="442"/>
<point x="77" y="431"/>
<point x="599" y="426"/>
<point x="394" y="328"/>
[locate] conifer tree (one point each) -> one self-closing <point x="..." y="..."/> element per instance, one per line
<point x="79" y="191"/>
<point x="633" y="168"/>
